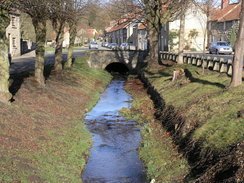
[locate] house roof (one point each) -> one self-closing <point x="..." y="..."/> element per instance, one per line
<point x="230" y="12"/>
<point x="141" y="27"/>
<point x="118" y="26"/>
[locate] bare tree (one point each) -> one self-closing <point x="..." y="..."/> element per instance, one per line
<point x="156" y="14"/>
<point x="181" y="39"/>
<point x="5" y="95"/>
<point x="39" y="13"/>
<point x="206" y="7"/>
<point x="75" y="10"/>
<point x="236" y="79"/>
<point x="58" y="17"/>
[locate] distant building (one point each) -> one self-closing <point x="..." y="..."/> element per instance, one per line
<point x="83" y="36"/>
<point x="142" y="42"/>
<point x="128" y="30"/>
<point x="13" y="34"/>
<point x="195" y="29"/>
<point x="224" y="20"/>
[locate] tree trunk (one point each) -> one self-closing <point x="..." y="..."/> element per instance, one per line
<point x="71" y="45"/>
<point x="236" y="79"/>
<point x="181" y="40"/>
<point x="58" y="50"/>
<point x="153" y="47"/>
<point x="40" y="30"/>
<point x="5" y="95"/>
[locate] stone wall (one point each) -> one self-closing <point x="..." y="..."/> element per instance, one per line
<point x="99" y="59"/>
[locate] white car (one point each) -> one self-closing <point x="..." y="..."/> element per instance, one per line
<point x="220" y="47"/>
<point x="93" y="45"/>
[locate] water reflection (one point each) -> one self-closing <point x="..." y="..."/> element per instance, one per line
<point x="113" y="158"/>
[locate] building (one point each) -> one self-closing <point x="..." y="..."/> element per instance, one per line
<point x="134" y="31"/>
<point x="82" y="36"/>
<point x="142" y="42"/>
<point x="13" y="34"/>
<point x="195" y="30"/>
<point x="224" y="21"/>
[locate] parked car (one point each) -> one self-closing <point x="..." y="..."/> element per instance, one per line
<point x="93" y="45"/>
<point x="104" y="44"/>
<point x="131" y="46"/>
<point x="127" y="46"/>
<point x="109" y="45"/>
<point x="220" y="47"/>
<point x="123" y="46"/>
<point x="114" y="46"/>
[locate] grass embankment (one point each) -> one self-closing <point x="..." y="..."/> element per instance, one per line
<point x="64" y="49"/>
<point x="42" y="136"/>
<point x="160" y="156"/>
<point x="203" y="100"/>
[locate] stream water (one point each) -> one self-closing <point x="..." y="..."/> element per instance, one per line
<point x="113" y="157"/>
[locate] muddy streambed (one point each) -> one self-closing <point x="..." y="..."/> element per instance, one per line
<point x="113" y="157"/>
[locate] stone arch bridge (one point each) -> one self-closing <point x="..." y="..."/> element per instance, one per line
<point x="100" y="59"/>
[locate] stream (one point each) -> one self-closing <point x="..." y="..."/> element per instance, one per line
<point x="113" y="157"/>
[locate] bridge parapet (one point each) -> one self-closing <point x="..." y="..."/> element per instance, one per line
<point x="100" y="59"/>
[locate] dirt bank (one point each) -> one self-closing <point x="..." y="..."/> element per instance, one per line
<point x="161" y="158"/>
<point x="200" y="114"/>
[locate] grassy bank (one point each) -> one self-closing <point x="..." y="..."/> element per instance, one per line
<point x="162" y="160"/>
<point x="202" y="99"/>
<point x="42" y="134"/>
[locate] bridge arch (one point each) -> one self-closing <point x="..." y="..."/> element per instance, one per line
<point x="117" y="67"/>
<point x="100" y="59"/>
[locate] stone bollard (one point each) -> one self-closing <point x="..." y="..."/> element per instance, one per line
<point x="229" y="67"/>
<point x="185" y="59"/>
<point x="216" y="64"/>
<point x="223" y="65"/>
<point x="199" y="61"/>
<point x="188" y="59"/>
<point x="164" y="56"/>
<point x="205" y="62"/>
<point x="194" y="60"/>
<point x="210" y="63"/>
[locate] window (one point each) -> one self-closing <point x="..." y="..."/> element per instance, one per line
<point x="14" y="42"/>
<point x="13" y="21"/>
<point x="194" y="12"/>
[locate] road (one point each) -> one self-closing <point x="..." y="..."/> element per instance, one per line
<point x="27" y="61"/>
<point x="226" y="57"/>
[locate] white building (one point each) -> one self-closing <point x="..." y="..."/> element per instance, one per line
<point x="195" y="29"/>
<point x="13" y="34"/>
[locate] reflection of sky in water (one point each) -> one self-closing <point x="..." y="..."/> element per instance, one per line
<point x="113" y="158"/>
<point x="111" y="101"/>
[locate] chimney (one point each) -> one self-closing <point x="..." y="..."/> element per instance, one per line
<point x="224" y="3"/>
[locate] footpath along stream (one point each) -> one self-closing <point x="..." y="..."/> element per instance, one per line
<point x="113" y="157"/>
